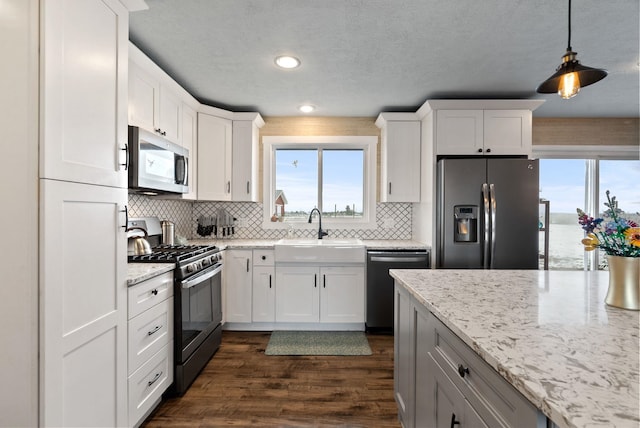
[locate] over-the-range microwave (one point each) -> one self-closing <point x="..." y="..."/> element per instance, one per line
<point x="156" y="165"/>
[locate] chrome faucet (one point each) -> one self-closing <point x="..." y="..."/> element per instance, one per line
<point x="321" y="232"/>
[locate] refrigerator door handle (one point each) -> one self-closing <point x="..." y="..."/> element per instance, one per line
<point x="494" y="208"/>
<point x="485" y="241"/>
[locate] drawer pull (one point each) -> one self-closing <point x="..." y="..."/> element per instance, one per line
<point x="453" y="420"/>
<point x="155" y="329"/>
<point x="155" y="378"/>
<point x="154" y="291"/>
<point x="462" y="370"/>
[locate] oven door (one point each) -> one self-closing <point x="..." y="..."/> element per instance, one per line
<point x="200" y="310"/>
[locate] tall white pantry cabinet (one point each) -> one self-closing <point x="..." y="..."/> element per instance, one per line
<point x="83" y="196"/>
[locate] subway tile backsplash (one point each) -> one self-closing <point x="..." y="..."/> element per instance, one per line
<point x="393" y="219"/>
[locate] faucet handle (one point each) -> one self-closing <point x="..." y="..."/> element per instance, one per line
<point x="322" y="233"/>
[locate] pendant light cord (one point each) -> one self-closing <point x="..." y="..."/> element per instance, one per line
<point x="569" y="26"/>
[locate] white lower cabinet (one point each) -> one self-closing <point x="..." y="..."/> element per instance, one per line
<point x="326" y="294"/>
<point x="297" y="296"/>
<point x="439" y="381"/>
<point x="237" y="281"/>
<point x="259" y="294"/>
<point x="147" y="384"/>
<point x="83" y="305"/>
<point x="264" y="294"/>
<point x="150" y="355"/>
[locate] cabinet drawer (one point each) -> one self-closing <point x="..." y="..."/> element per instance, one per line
<point x="149" y="332"/>
<point x="497" y="402"/>
<point x="263" y="257"/>
<point x="149" y="293"/>
<point x="148" y="383"/>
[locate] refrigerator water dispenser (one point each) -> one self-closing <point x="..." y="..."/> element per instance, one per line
<point x="465" y="223"/>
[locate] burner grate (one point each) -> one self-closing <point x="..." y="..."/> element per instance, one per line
<point x="172" y="253"/>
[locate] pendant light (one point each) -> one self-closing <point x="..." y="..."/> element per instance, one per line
<point x="570" y="76"/>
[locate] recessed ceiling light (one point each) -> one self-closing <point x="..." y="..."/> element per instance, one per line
<point x="286" y="61"/>
<point x="306" y="108"/>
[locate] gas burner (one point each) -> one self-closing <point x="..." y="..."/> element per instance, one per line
<point x="178" y="254"/>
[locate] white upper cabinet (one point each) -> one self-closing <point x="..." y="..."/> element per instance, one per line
<point x="214" y="158"/>
<point x="84" y="75"/>
<point x="460" y="132"/>
<point x="144" y="96"/>
<point x="483" y="132"/>
<point x="244" y="183"/>
<point x="228" y="155"/>
<point x="508" y="132"/>
<point x="479" y="127"/>
<point x="399" y="157"/>
<point x="152" y="105"/>
<point x="169" y="115"/>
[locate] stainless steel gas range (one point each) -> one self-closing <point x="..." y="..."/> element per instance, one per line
<point x="197" y="300"/>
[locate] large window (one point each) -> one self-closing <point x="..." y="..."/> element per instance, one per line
<point x="334" y="174"/>
<point x="581" y="183"/>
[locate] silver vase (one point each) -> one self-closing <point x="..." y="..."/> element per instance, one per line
<point x="624" y="282"/>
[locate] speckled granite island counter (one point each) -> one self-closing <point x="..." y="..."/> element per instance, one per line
<point x="549" y="334"/>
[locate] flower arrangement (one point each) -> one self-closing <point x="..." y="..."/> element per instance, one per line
<point x="613" y="233"/>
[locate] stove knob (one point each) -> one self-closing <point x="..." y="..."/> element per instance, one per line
<point x="206" y="262"/>
<point x="192" y="268"/>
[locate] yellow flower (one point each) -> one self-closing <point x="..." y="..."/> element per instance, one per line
<point x="633" y="236"/>
<point x="590" y="242"/>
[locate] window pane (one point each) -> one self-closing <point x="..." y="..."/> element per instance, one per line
<point x="343" y="183"/>
<point x="621" y="178"/>
<point x="562" y="183"/>
<point x="296" y="184"/>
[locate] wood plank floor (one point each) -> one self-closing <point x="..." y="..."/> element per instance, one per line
<point x="242" y="387"/>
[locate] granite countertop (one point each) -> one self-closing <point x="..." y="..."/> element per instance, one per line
<point x="138" y="272"/>
<point x="377" y="244"/>
<point x="548" y="333"/>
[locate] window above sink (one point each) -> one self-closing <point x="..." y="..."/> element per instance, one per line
<point x="336" y="174"/>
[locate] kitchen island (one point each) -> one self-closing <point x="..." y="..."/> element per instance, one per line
<point x="548" y="334"/>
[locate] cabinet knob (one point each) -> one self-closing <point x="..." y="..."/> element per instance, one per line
<point x="488" y="150"/>
<point x="479" y="150"/>
<point x="462" y="370"/>
<point x="154" y="291"/>
<point x="264" y="257"/>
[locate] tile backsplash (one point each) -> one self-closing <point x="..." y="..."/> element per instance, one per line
<point x="393" y="219"/>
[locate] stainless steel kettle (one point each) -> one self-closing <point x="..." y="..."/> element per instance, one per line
<point x="141" y="246"/>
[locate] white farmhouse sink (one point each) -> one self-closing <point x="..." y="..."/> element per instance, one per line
<point x="349" y="250"/>
<point x="326" y="242"/>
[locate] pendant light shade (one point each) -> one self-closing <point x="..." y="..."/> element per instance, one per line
<point x="570" y="76"/>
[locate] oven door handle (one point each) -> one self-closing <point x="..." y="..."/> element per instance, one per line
<point x="201" y="278"/>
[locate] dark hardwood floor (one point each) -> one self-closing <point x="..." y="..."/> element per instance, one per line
<point x="242" y="387"/>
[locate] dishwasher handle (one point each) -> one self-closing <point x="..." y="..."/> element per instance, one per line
<point x="396" y="259"/>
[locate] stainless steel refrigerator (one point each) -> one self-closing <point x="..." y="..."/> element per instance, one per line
<point x="487" y="213"/>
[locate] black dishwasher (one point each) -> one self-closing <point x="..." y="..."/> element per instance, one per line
<point x="380" y="283"/>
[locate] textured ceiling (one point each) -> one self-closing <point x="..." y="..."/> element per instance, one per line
<point x="361" y="57"/>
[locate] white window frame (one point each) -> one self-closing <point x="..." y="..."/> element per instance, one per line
<point x="592" y="175"/>
<point x="367" y="144"/>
